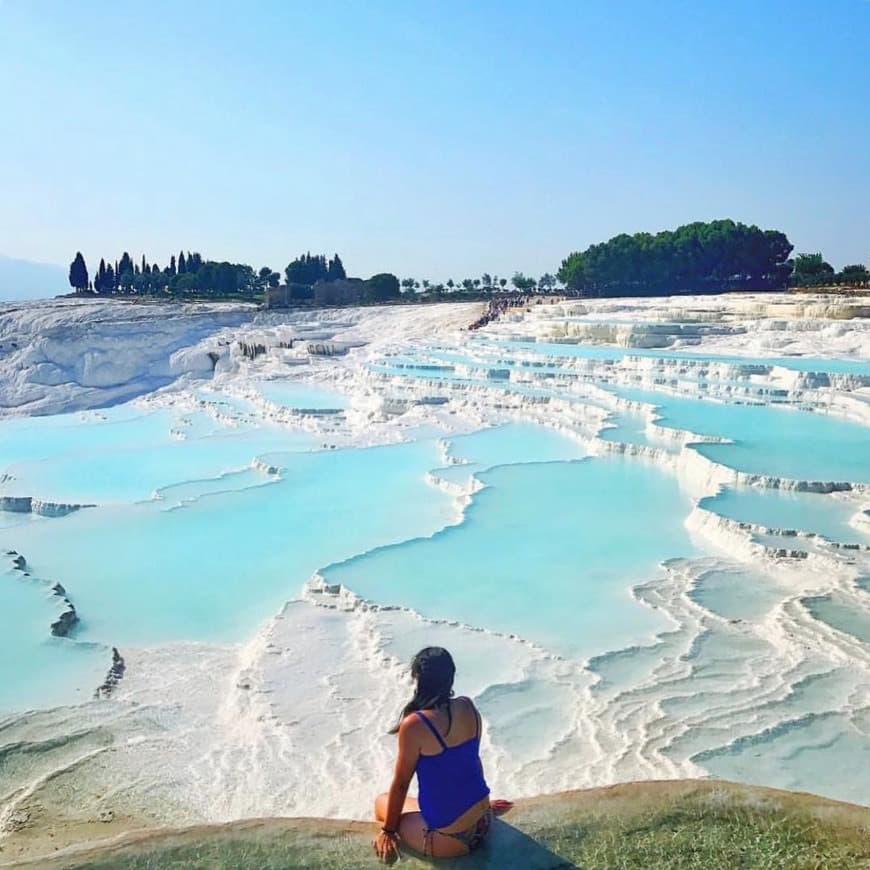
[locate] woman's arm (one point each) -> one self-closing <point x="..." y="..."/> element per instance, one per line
<point x="406" y="764"/>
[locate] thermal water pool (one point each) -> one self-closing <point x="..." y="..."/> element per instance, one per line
<point x="301" y="396"/>
<point x="542" y="555"/>
<point x="125" y="454"/>
<point x="215" y="568"/>
<point x="780" y="442"/>
<point x="610" y="352"/>
<point x="825" y="514"/>
<point x="37" y="670"/>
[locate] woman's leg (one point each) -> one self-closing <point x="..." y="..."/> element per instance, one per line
<point x="412" y="831"/>
<point x="414" y="834"/>
<point x="411" y="806"/>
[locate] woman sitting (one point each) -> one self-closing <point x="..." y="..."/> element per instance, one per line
<point x="439" y="740"/>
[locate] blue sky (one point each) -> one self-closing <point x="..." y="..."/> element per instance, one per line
<point x="433" y="139"/>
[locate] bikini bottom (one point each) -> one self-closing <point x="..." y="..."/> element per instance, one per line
<point x="471" y="837"/>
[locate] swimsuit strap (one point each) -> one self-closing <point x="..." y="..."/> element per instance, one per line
<point x="432" y="728"/>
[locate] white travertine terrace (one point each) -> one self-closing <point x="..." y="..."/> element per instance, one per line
<point x="210" y="732"/>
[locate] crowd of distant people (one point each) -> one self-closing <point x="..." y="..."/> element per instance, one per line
<point x="496" y="307"/>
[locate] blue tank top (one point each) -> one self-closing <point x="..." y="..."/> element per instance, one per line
<point x="450" y="782"/>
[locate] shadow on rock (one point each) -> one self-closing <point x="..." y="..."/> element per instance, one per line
<point x="506" y="846"/>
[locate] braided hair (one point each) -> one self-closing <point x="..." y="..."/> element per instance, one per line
<point x="433" y="670"/>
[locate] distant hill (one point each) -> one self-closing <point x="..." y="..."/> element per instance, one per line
<point x="24" y="279"/>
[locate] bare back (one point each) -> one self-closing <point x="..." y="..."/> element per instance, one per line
<point x="462" y="724"/>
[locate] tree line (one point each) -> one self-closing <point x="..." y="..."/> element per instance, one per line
<point x="309" y="270"/>
<point x="699" y="258"/>
<point x="812" y="270"/>
<point x="485" y="284"/>
<point x="185" y="274"/>
<point x="190" y="274"/>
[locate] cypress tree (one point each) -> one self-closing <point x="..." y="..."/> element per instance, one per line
<point x="182" y="264"/>
<point x="336" y="269"/>
<point x="78" y="273"/>
<point x="172" y="269"/>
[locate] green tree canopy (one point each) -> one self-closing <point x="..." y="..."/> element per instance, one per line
<point x="78" y="273"/>
<point x="125" y="279"/>
<point x="522" y="283"/>
<point x="697" y="257"/>
<point x="308" y="269"/>
<point x="100" y="281"/>
<point x="855" y="273"/>
<point x="383" y="287"/>
<point x="335" y="270"/>
<point x="125" y="264"/>
<point x="225" y="278"/>
<point x="811" y="269"/>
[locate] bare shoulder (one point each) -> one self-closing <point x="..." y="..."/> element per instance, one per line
<point x="410" y="725"/>
<point x="467" y="706"/>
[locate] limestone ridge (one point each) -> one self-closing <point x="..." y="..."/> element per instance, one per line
<point x="113" y="677"/>
<point x="66" y="623"/>
<point x="68" y="618"/>
<point x="25" y="504"/>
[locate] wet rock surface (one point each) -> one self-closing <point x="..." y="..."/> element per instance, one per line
<point x="654" y="825"/>
<point x="114" y="676"/>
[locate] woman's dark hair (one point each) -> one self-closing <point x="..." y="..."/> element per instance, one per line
<point x="433" y="669"/>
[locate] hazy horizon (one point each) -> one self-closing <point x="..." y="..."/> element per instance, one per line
<point x="430" y="142"/>
<point x="24" y="280"/>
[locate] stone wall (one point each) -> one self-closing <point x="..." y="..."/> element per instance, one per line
<point x="350" y="291"/>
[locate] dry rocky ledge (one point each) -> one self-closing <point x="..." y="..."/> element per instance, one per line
<point x="650" y="825"/>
